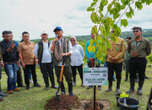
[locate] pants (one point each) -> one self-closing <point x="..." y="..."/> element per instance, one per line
<point x="137" y="65"/>
<point x="19" y="78"/>
<point x="0" y="77"/>
<point x="80" y="70"/>
<point x="11" y="71"/>
<point x="47" y="71"/>
<point x="127" y="68"/>
<point x="27" y="70"/>
<point x="67" y="72"/>
<point x="117" y="68"/>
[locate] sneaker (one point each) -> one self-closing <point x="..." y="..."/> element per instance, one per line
<point x="139" y="92"/>
<point x="10" y="92"/>
<point x="130" y="91"/>
<point x="47" y="88"/>
<point x="16" y="89"/>
<point x="109" y="90"/>
<point x="2" y="94"/>
<point x="27" y="87"/>
<point x="118" y="91"/>
<point x="62" y="92"/>
<point x="99" y="88"/>
<point x="71" y="94"/>
<point x="37" y="85"/>
<point x="54" y="87"/>
<point x="1" y="98"/>
<point x="73" y="83"/>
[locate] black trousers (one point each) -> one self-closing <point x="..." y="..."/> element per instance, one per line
<point x="27" y="70"/>
<point x="137" y="65"/>
<point x="19" y="78"/>
<point x="0" y="77"/>
<point x="74" y="72"/>
<point x="67" y="72"/>
<point x="114" y="68"/>
<point x="47" y="71"/>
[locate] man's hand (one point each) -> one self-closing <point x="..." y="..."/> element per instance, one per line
<point x="112" y="58"/>
<point x="134" y="54"/>
<point x="18" y="63"/>
<point x="36" y="61"/>
<point x="2" y="63"/>
<point x="23" y="65"/>
<point x="53" y="44"/>
<point x="11" y="47"/>
<point x="63" y="54"/>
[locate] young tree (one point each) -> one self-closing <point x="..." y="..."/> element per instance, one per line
<point x="110" y="15"/>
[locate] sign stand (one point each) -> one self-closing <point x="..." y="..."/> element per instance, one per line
<point x="94" y="97"/>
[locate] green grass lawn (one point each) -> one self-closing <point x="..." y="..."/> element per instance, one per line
<point x="36" y="98"/>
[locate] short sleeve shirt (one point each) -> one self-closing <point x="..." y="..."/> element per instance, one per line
<point x="27" y="52"/>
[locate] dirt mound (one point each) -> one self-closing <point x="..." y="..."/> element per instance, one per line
<point x="73" y="103"/>
<point x="65" y="103"/>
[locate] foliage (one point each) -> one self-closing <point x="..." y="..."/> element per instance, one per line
<point x="110" y="15"/>
<point x="149" y="58"/>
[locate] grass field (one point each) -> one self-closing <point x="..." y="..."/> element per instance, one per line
<point x="36" y="98"/>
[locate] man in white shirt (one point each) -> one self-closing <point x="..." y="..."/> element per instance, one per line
<point x="43" y="53"/>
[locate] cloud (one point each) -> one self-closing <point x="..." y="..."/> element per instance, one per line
<point x="36" y="16"/>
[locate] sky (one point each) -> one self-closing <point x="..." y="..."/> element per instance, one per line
<point x="37" y="16"/>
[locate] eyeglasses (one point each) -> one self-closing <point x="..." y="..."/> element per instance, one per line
<point x="135" y="31"/>
<point x="72" y="40"/>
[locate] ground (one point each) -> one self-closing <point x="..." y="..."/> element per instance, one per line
<point x="36" y="98"/>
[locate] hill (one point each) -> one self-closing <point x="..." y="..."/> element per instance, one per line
<point x="146" y="33"/>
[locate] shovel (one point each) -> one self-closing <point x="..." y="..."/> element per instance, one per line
<point x="60" y="81"/>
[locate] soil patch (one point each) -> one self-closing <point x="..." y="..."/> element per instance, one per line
<point x="65" y="103"/>
<point x="73" y="103"/>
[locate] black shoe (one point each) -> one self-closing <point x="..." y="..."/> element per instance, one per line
<point x="118" y="91"/>
<point x="139" y="92"/>
<point x="47" y="88"/>
<point x="2" y="94"/>
<point x="99" y="88"/>
<point x="71" y="94"/>
<point x="27" y="87"/>
<point x="37" y="85"/>
<point x="54" y="87"/>
<point x="1" y="98"/>
<point x="62" y="92"/>
<point x="109" y="90"/>
<point x="130" y="91"/>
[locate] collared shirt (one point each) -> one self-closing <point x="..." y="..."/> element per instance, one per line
<point x="77" y="55"/>
<point x="27" y="52"/>
<point x="117" y="51"/>
<point x="142" y="47"/>
<point x="46" y="56"/>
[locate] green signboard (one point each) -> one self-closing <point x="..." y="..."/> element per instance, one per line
<point x="95" y="76"/>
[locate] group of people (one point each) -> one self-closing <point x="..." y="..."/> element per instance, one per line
<point x="62" y="51"/>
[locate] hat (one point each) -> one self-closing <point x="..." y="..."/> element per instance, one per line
<point x="58" y="28"/>
<point x="44" y="33"/>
